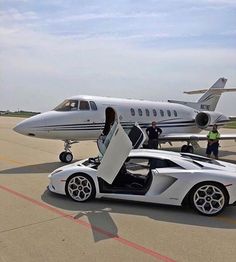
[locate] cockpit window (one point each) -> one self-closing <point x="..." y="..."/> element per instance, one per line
<point x="67" y="105"/>
<point x="84" y="105"/>
<point x="93" y="105"/>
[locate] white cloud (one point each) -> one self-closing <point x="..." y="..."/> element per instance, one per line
<point x="45" y="69"/>
<point x="97" y="16"/>
<point x="222" y="2"/>
<point x="13" y="15"/>
<point x="43" y="60"/>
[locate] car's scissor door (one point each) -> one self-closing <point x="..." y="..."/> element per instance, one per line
<point x="115" y="155"/>
<point x="137" y="136"/>
<point x="118" y="149"/>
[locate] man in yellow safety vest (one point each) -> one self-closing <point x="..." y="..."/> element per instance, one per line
<point x="213" y="142"/>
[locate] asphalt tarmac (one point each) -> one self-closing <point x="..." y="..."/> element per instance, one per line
<point x="36" y="225"/>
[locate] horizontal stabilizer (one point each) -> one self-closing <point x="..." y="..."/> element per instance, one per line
<point x="210" y="98"/>
<point x="213" y="90"/>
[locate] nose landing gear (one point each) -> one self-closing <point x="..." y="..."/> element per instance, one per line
<point x="67" y="156"/>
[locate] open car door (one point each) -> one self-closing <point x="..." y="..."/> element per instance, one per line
<point x="117" y="148"/>
<point x="137" y="136"/>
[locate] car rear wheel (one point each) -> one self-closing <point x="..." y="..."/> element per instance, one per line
<point x="80" y="187"/>
<point x="209" y="198"/>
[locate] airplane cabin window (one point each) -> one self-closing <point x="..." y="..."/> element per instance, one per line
<point x="154" y="112"/>
<point x="93" y="105"/>
<point x="84" y="105"/>
<point x="67" y="105"/>
<point x="162" y="112"/>
<point x="147" y="112"/>
<point x="132" y="111"/>
<point x="140" y="112"/>
<point x="175" y="113"/>
<point x="168" y="113"/>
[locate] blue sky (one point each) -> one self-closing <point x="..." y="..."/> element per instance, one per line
<point x="142" y="49"/>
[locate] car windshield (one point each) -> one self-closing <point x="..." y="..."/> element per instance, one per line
<point x="67" y="105"/>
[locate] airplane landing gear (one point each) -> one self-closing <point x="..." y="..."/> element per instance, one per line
<point x="187" y="149"/>
<point x="66" y="156"/>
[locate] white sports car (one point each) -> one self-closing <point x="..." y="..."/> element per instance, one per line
<point x="154" y="176"/>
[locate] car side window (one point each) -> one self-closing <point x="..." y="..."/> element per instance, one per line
<point x="162" y="163"/>
<point x="137" y="165"/>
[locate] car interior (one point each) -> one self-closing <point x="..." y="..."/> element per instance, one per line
<point x="134" y="177"/>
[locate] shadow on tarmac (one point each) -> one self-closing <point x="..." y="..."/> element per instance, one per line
<point x="38" y="168"/>
<point x="49" y="167"/>
<point x="99" y="214"/>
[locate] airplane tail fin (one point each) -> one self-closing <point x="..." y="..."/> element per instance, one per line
<point x="210" y="98"/>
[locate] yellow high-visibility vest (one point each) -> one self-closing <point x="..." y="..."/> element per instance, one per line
<point x="213" y="136"/>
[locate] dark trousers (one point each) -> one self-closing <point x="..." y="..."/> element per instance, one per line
<point x="153" y="143"/>
<point x="213" y="148"/>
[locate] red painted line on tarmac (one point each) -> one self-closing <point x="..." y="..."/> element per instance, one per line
<point x="89" y="226"/>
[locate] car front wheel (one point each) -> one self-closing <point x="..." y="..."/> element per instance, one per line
<point x="80" y="187"/>
<point x="209" y="199"/>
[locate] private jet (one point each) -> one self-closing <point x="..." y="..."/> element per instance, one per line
<point x="82" y="117"/>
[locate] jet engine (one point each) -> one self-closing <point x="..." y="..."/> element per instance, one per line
<point x="206" y="119"/>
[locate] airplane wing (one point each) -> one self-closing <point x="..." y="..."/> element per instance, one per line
<point x="232" y="118"/>
<point x="192" y="137"/>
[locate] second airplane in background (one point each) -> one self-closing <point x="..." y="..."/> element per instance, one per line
<point x="82" y="118"/>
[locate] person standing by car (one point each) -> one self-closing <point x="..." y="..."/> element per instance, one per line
<point x="153" y="133"/>
<point x="213" y="142"/>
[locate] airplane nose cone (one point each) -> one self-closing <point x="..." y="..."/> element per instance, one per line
<point x="18" y="128"/>
<point x="22" y="128"/>
<point x="29" y="126"/>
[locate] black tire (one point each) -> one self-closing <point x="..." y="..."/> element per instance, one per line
<point x="184" y="148"/>
<point x="189" y="149"/>
<point x="209" y="198"/>
<point x="61" y="156"/>
<point x="66" y="157"/>
<point x="80" y="187"/>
